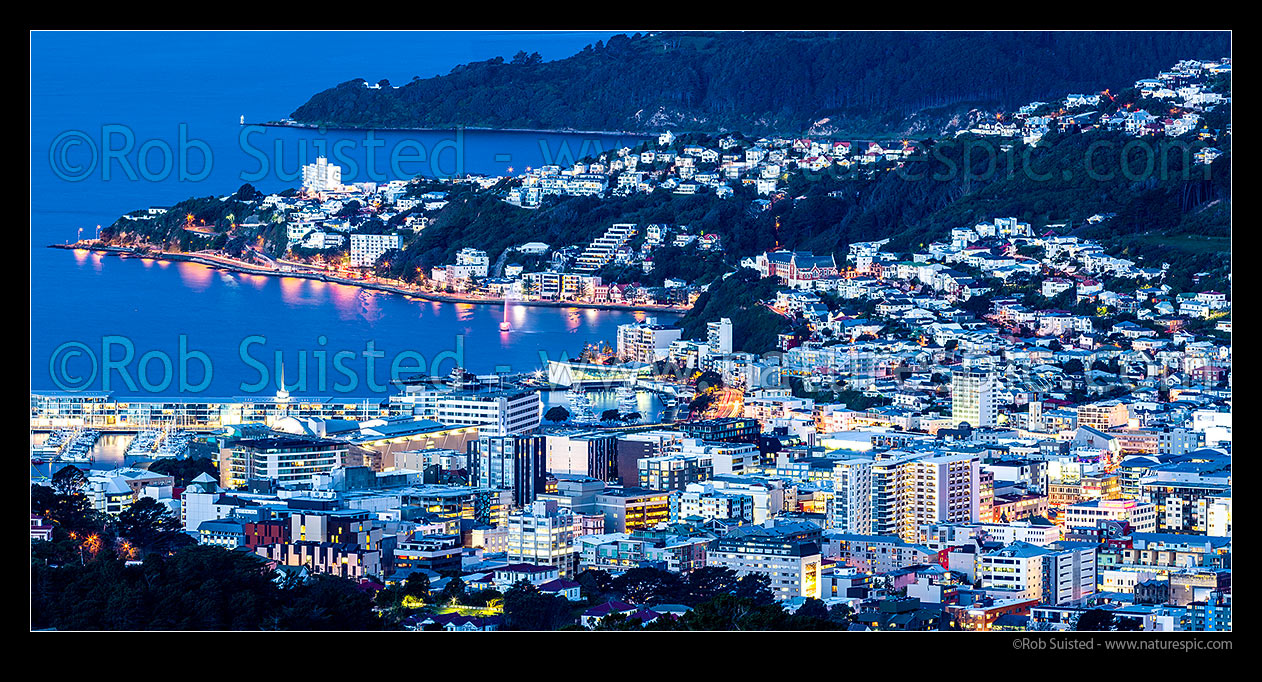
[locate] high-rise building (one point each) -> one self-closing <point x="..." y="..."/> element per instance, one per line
<point x="973" y="398"/>
<point x="543" y="534"/>
<point x="646" y="341"/>
<point x="719" y="336"/>
<point x="512" y="462"/>
<point x="321" y="176"/>
<point x="912" y="490"/>
<point x="850" y="508"/>
<point x="584" y="454"/>
<point x="367" y="248"/>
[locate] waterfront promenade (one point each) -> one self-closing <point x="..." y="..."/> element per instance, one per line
<point x="289" y="269"/>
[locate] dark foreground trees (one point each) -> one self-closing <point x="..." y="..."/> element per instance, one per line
<point x="197" y="588"/>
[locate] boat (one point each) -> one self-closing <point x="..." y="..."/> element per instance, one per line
<point x="582" y="414"/>
<point x="174" y="445"/>
<point x="76" y="457"/>
<point x="145" y="442"/>
<point x="627" y="399"/>
<point x="582" y="409"/>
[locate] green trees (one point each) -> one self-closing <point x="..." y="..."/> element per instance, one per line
<point x="595" y="583"/>
<point x="556" y="414"/>
<point x="453" y="592"/>
<point x="70" y="513"/>
<point x="150" y="526"/>
<point x="197" y="588"/>
<point x="525" y="608"/>
<point x="1099" y="620"/>
<point x="185" y="470"/>
<point x="732" y="612"/>
<point x="648" y="586"/>
<point x="69" y="480"/>
<point x="755" y="328"/>
<point x="761" y="83"/>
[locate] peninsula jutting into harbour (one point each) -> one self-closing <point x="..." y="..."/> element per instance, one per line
<point x="845" y="332"/>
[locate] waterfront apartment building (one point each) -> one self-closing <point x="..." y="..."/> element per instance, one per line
<point x="283" y="460"/>
<point x="321" y="176"/>
<point x="367" y="248"/>
<point x="476" y="261"/>
<point x="544" y="534"/>
<point x="646" y="341"/>
<point x="973" y="398"/>
<point x="495" y="413"/>
<point x="102" y="410"/>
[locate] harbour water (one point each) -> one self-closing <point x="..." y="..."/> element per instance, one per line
<point x="196" y="87"/>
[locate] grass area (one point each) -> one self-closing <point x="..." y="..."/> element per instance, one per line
<point x="466" y="610"/>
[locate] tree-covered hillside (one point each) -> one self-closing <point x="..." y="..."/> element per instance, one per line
<point x="862" y="82"/>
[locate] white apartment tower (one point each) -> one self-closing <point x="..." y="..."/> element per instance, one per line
<point x="367" y="248"/>
<point x="850" y="509"/>
<point x="647" y="341"/>
<point x="321" y="176"/>
<point x="719" y="336"/>
<point x="973" y="398"/>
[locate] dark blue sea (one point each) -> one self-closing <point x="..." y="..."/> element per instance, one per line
<point x="122" y="121"/>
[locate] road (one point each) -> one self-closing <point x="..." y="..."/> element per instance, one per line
<point x="728" y="402"/>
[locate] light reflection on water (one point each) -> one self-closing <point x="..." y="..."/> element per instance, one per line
<point x="217" y="312"/>
<point x="109" y="452"/>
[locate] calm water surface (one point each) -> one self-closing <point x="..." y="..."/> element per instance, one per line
<point x="197" y="85"/>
